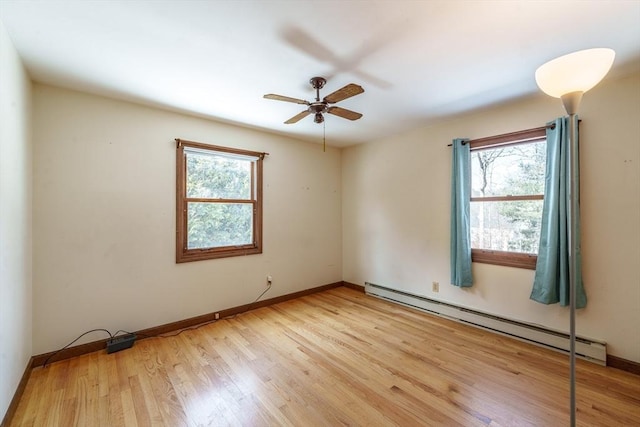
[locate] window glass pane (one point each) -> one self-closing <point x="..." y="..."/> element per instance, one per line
<point x="218" y="177"/>
<point x="506" y="226"/>
<point x="211" y="225"/>
<point x="514" y="170"/>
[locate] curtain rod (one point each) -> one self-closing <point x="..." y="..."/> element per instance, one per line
<point x="181" y="142"/>
<point x="538" y="129"/>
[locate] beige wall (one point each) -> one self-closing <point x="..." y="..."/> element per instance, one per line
<point x="104" y="219"/>
<point x="396" y="204"/>
<point x="15" y="220"/>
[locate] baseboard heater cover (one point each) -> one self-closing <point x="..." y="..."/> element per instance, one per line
<point x="591" y="350"/>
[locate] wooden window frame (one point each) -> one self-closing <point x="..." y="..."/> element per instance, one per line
<point x="506" y="258"/>
<point x="183" y="254"/>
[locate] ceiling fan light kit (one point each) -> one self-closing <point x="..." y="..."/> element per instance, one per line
<point x="319" y="107"/>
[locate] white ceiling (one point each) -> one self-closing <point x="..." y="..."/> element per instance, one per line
<point x="418" y="61"/>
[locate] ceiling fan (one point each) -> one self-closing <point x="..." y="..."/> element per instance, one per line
<point x="319" y="107"/>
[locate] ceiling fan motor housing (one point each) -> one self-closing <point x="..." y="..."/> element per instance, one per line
<point x="318" y="108"/>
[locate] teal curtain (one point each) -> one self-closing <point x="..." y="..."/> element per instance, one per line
<point x="551" y="282"/>
<point x="460" y="223"/>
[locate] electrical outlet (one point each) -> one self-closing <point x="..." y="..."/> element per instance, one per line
<point x="216" y="316"/>
<point x="435" y="287"/>
<point x="269" y="280"/>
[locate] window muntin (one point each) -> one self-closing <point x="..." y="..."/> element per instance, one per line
<point x="219" y="202"/>
<point x="507" y="180"/>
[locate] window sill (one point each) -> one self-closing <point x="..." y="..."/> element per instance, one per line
<point x="201" y="255"/>
<point x="507" y="259"/>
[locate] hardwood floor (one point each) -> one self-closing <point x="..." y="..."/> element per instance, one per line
<point x="337" y="357"/>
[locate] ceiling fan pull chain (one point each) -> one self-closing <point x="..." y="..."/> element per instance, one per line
<point x="324" y="137"/>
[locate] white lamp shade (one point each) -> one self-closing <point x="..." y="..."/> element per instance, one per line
<point x="574" y="72"/>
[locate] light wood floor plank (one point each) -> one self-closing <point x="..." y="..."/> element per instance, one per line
<point x="338" y="357"/>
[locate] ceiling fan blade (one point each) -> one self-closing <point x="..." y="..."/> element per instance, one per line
<point x="346" y="92"/>
<point x="285" y="98"/>
<point x="344" y="113"/>
<point x="297" y="117"/>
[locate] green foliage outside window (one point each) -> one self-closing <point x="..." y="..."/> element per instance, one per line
<point x="507" y="225"/>
<point x="527" y="215"/>
<point x="218" y="221"/>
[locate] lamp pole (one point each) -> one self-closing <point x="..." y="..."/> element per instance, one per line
<point x="571" y="103"/>
<point x="573" y="261"/>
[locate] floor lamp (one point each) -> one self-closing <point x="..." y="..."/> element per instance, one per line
<point x="569" y="77"/>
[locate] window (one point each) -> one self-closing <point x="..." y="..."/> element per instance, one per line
<point x="507" y="192"/>
<point x="218" y="202"/>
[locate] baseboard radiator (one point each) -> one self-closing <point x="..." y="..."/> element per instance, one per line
<point x="593" y="351"/>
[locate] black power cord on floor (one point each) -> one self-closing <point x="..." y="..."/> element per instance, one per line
<point x="112" y="336"/>
<point x="200" y="325"/>
<point x="66" y="346"/>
